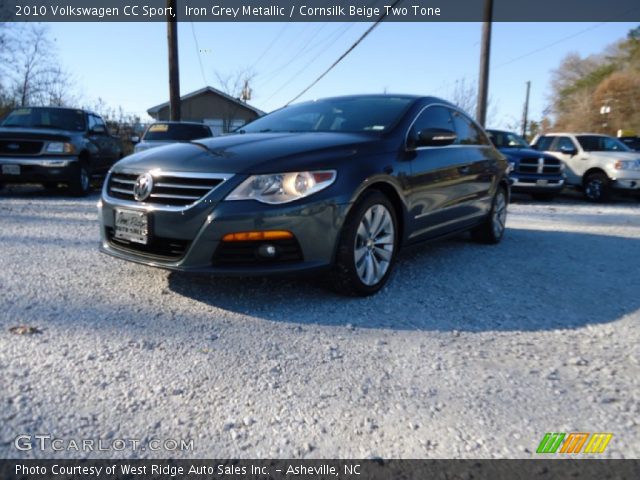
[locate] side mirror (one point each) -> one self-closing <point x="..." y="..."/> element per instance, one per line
<point x="568" y="150"/>
<point x="135" y="139"/>
<point x="98" y="129"/>
<point x="435" y="137"/>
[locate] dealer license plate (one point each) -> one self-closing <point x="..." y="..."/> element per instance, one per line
<point x="11" y="169"/>
<point x="542" y="183"/>
<point x="132" y="226"/>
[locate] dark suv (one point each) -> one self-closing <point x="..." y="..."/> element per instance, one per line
<point x="51" y="145"/>
<point x="536" y="173"/>
<point x="339" y="184"/>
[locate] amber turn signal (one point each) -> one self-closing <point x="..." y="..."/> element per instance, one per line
<point x="257" y="236"/>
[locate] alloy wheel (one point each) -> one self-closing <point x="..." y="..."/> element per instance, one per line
<point x="499" y="214"/>
<point x="374" y="244"/>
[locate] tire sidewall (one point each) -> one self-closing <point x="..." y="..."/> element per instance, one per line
<point x="346" y="251"/>
<point x="604" y="190"/>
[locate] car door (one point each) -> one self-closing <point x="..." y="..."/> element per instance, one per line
<point x="477" y="178"/>
<point x="96" y="136"/>
<point x="436" y="180"/>
<point x="566" y="149"/>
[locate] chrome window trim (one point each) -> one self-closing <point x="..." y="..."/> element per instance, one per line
<point x="159" y="207"/>
<point x="450" y="107"/>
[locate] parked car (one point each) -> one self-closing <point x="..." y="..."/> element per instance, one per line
<point x="598" y="164"/>
<point x="165" y="133"/>
<point x="51" y="145"/>
<point x="536" y="173"/>
<point x="339" y="184"/>
<point x="632" y="142"/>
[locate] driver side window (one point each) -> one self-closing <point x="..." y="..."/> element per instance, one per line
<point x="431" y="117"/>
<point x="563" y="143"/>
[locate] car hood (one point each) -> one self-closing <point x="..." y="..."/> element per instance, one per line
<point x="252" y="153"/>
<point x="517" y="154"/>
<point x="607" y="156"/>
<point x="35" y="134"/>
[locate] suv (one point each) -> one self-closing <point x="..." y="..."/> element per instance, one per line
<point x="165" y="133"/>
<point x="536" y="173"/>
<point x="598" y="164"/>
<point x="51" y="145"/>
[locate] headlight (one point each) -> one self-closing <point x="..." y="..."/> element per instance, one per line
<point x="60" y="147"/>
<point x="627" y="165"/>
<point x="282" y="187"/>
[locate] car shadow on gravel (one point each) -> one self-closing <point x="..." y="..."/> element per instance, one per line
<point x="534" y="280"/>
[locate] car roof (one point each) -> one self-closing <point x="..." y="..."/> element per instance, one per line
<point x="557" y="134"/>
<point x="174" y="122"/>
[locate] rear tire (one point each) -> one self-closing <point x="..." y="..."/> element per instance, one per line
<point x="367" y="247"/>
<point x="80" y="184"/>
<point x="597" y="187"/>
<point x="492" y="229"/>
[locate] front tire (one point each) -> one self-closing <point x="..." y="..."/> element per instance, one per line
<point x="367" y="247"/>
<point x="597" y="187"/>
<point x="492" y="229"/>
<point x="80" y="184"/>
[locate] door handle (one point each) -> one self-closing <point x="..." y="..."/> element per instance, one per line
<point x="464" y="170"/>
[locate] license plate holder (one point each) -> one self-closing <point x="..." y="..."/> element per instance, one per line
<point x="11" y="169"/>
<point x="132" y="226"/>
<point x="543" y="182"/>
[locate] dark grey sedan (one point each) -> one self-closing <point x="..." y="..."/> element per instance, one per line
<point x="339" y="184"/>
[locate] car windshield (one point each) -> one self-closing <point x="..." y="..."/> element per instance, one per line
<point x="355" y="114"/>
<point x="56" y="118"/>
<point x="601" y="143"/>
<point x="179" y="132"/>
<point x="507" y="139"/>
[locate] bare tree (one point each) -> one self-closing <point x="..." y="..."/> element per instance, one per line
<point x="465" y="96"/>
<point x="238" y="86"/>
<point x="35" y="76"/>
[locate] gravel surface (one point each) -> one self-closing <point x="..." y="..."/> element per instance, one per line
<point x="470" y="351"/>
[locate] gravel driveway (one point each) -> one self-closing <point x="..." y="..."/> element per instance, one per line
<point x="470" y="351"/>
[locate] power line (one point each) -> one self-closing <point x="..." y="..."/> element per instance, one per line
<point x="199" y="54"/>
<point x="349" y="50"/>
<point x="271" y="44"/>
<point x="304" y="68"/>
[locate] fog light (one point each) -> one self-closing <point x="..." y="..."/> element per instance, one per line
<point x="267" y="251"/>
<point x="253" y="236"/>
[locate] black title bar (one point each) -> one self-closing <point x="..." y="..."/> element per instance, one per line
<point x="318" y="11"/>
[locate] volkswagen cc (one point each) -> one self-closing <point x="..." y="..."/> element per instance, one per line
<point x="339" y="185"/>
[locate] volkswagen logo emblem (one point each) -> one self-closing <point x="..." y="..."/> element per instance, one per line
<point x="143" y="186"/>
<point x="13" y="146"/>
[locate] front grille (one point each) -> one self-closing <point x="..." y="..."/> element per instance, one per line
<point x="246" y="253"/>
<point x="168" y="189"/>
<point x="20" y="147"/>
<point x="160" y="247"/>
<point x="539" y="165"/>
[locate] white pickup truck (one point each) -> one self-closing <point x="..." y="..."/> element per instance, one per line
<point x="598" y="164"/>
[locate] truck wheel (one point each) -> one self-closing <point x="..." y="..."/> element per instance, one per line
<point x="367" y="247"/>
<point x="492" y="229"/>
<point x="597" y="187"/>
<point x="80" y="184"/>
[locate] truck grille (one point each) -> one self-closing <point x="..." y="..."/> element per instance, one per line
<point x="20" y="147"/>
<point x="168" y="189"/>
<point x="539" y="165"/>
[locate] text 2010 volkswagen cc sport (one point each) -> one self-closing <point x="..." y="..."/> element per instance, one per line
<point x="337" y="184"/>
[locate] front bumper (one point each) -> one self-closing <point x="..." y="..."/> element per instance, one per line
<point x="194" y="236"/>
<point x="37" y="170"/>
<point x="536" y="183"/>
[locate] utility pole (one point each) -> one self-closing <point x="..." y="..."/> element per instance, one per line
<point x="525" y="113"/>
<point x="485" y="50"/>
<point x="174" y="70"/>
